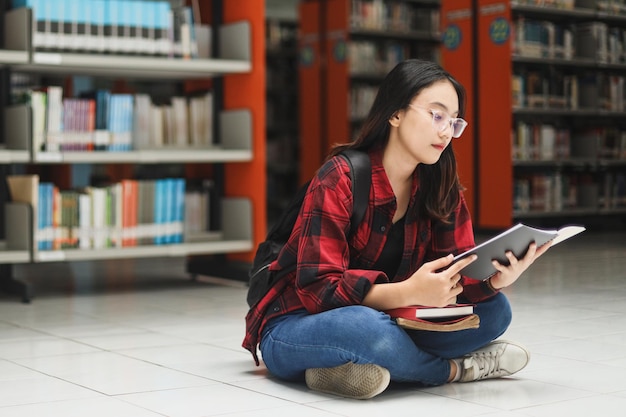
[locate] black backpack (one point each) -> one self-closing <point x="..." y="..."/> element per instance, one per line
<point x="261" y="280"/>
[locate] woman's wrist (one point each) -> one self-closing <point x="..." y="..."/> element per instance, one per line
<point x="490" y="284"/>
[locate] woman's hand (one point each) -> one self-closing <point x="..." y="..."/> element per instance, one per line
<point x="507" y="275"/>
<point x="431" y="285"/>
<point x="437" y="283"/>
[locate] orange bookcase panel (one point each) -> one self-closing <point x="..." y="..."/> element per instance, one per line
<point x="310" y="85"/>
<point x="337" y="22"/>
<point x="495" y="170"/>
<point x="457" y="57"/>
<point x="248" y="91"/>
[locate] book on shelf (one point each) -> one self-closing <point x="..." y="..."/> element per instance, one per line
<point x="129" y="212"/>
<point x="142" y="125"/>
<point x="516" y="239"/>
<point x="180" y="121"/>
<point x="424" y="312"/>
<point x="183" y="33"/>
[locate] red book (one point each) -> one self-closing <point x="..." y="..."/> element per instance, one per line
<point x="438" y="319"/>
<point x="423" y="312"/>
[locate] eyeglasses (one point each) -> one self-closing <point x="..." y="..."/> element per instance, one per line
<point x="442" y="120"/>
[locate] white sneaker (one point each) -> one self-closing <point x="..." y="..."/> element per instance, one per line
<point x="350" y="380"/>
<point x="499" y="358"/>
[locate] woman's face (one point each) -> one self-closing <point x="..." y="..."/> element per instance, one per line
<point x="423" y="130"/>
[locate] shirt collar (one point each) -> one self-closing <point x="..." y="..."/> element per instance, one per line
<point x="383" y="192"/>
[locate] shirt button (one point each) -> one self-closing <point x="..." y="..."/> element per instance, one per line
<point x="383" y="228"/>
<point x="276" y="308"/>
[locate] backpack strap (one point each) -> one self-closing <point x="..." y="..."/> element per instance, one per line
<point x="361" y="169"/>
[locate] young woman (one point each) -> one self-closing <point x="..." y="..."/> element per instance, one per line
<point x="325" y="323"/>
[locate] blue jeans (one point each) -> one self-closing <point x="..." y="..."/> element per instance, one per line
<point x="298" y="341"/>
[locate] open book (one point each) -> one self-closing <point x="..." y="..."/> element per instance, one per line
<point x="516" y="239"/>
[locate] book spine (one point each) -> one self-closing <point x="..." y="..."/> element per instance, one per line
<point x="99" y="19"/>
<point x="39" y="38"/>
<point x="162" y="33"/>
<point x="54" y="117"/>
<point x="50" y="10"/>
<point x="149" y="14"/>
<point x="159" y="212"/>
<point x="169" y="204"/>
<point x="39" y="211"/>
<point x="126" y="25"/>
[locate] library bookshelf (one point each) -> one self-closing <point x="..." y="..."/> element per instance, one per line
<point x="551" y="140"/>
<point x="237" y="151"/>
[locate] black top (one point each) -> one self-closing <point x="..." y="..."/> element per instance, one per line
<point x="391" y="255"/>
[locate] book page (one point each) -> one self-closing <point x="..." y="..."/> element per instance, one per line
<point x="567" y="232"/>
<point x="516" y="239"/>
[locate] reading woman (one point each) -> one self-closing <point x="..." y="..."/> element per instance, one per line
<point x="324" y="320"/>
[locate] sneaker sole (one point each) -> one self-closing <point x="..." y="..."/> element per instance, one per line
<point x="350" y="380"/>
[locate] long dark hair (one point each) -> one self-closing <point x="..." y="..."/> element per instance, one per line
<point x="439" y="182"/>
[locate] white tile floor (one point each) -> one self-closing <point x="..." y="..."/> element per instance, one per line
<point x="136" y="338"/>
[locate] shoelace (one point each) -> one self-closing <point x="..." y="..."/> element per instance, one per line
<point x="487" y="363"/>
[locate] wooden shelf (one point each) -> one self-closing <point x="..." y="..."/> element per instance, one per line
<point x="213" y="155"/>
<point x="9" y="256"/>
<point x="554" y="13"/>
<point x="576" y="62"/>
<point x="13" y="57"/>
<point x="412" y="35"/>
<point x="573" y="162"/>
<point x="581" y="212"/>
<point x="8" y="156"/>
<point x="235" y="138"/>
<point x="154" y="251"/>
<point x="130" y="66"/>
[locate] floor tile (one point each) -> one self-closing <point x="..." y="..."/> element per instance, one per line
<point x="40" y="389"/>
<point x="203" y="360"/>
<point x="209" y="400"/>
<point x="42" y="347"/>
<point x="130" y="340"/>
<point x="93" y="407"/>
<point x="112" y="374"/>
<point x="509" y="393"/>
<point x="397" y="402"/>
<point x="11" y="371"/>
<point x="600" y="405"/>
